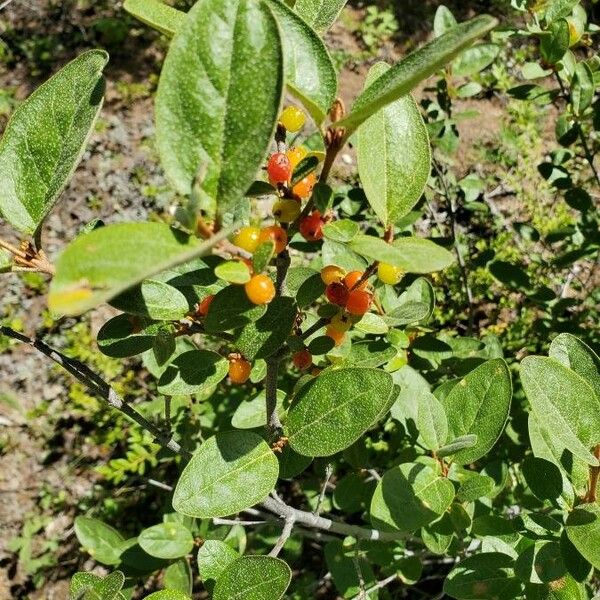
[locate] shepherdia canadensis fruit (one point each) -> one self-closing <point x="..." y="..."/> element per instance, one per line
<point x="311" y="227"/>
<point x="279" y="168"/>
<point x="293" y="119"/>
<point x="296" y="155"/>
<point x="239" y="369"/>
<point x="303" y="189"/>
<point x="247" y="238"/>
<point x="302" y="359"/>
<point x="274" y="234"/>
<point x="389" y="274"/>
<point x="332" y="274"/>
<point x="260" y="289"/>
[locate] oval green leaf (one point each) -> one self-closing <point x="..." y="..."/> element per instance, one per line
<point x="479" y="404"/>
<point x="45" y="140"/>
<point x="166" y="540"/>
<point x="206" y="123"/>
<point x="230" y="472"/>
<point x="214" y="557"/>
<point x="153" y="299"/>
<point x="100" y="541"/>
<point x="193" y="372"/>
<point x="394" y="156"/>
<point x="127" y="335"/>
<point x="233" y="271"/>
<point x="583" y="529"/>
<point x="319" y="14"/>
<point x="333" y="410"/>
<point x="158" y="15"/>
<point x="253" y="578"/>
<point x="577" y="356"/>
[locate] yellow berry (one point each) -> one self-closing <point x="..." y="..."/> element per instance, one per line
<point x="293" y="119"/>
<point x="247" y="238"/>
<point x="341" y="322"/>
<point x="332" y="274"/>
<point x="296" y="154"/>
<point x="389" y="273"/>
<point x="286" y="210"/>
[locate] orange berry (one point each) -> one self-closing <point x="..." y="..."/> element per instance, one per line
<point x="304" y="188"/>
<point x="359" y="302"/>
<point x="296" y="154"/>
<point x="260" y="289"/>
<point x="341" y="322"/>
<point x="332" y="274"/>
<point x="353" y="278"/>
<point x="336" y="336"/>
<point x="203" y="307"/>
<point x="247" y="238"/>
<point x="239" y="370"/>
<point x="302" y="359"/>
<point x="337" y="293"/>
<point x="274" y="234"/>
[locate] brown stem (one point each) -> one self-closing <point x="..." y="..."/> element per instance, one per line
<point x="594" y="475"/>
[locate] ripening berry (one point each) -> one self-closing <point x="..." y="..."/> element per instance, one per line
<point x="286" y="210"/>
<point x="239" y="369"/>
<point x="274" y="234"/>
<point x="332" y="274"/>
<point x="302" y="359"/>
<point x="337" y="293"/>
<point x="247" y="238"/>
<point x="204" y="306"/>
<point x="296" y="154"/>
<point x="293" y="119"/>
<point x="340" y="322"/>
<point x="260" y="289"/>
<point x="389" y="273"/>
<point x="311" y="227"/>
<point x="359" y="302"/>
<point x="303" y="189"/>
<point x="336" y="336"/>
<point x="353" y="278"/>
<point x="279" y="168"/>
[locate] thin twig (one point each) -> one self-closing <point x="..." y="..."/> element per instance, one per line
<point x="286" y="532"/>
<point x="378" y="586"/>
<point x="97" y="386"/>
<point x="328" y="474"/>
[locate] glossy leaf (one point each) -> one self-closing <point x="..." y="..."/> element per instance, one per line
<point x="479" y="404"/>
<point x="253" y="578"/>
<point x="230" y="472"/>
<point x="233" y="271"/>
<point x="214" y="557"/>
<point x="319" y="14"/>
<point x="309" y="71"/>
<point x="157" y="14"/>
<point x="410" y="496"/>
<point x="45" y="140"/>
<point x="405" y="75"/>
<point x="333" y="410"/>
<point x="166" y="540"/>
<point x="205" y="123"/>
<point x="193" y="372"/>
<point x="100" y="540"/>
<point x="564" y="402"/>
<point x="583" y="529"/>
<point x="100" y="265"/>
<point x="413" y="254"/>
<point x="263" y="337"/>
<point x="394" y="156"/>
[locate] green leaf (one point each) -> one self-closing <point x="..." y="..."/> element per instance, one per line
<point x="251" y="414"/>
<point x="479" y="404"/>
<point x="438" y="536"/>
<point x="253" y="578"/>
<point x="168" y="595"/>
<point x="583" y="529"/>
<point x="309" y="71"/>
<point x="564" y="402"/>
<point x="166" y="540"/>
<point x="431" y="421"/>
<point x="547" y="482"/>
<point x="582" y="89"/>
<point x="413" y="254"/>
<point x="482" y="576"/>
<point x="233" y="271"/>
<point x="319" y="14"/>
<point x="541" y="563"/>
<point x="577" y="356"/>
<point x="126" y="335"/>
<point x="100" y="541"/>
<point x="231" y="309"/>
<point x="214" y="557"/>
<point x="153" y="299"/>
<point x="555" y="42"/>
<point x="394" y="156"/>
<point x="178" y="576"/>
<point x="320" y="345"/>
<point x="370" y="353"/>
<point x="410" y="496"/>
<point x="474" y="487"/>
<point x="160" y="16"/>
<point x="230" y="472"/>
<point x="99" y="265"/>
<point x="193" y="372"/>
<point x="263" y="337"/>
<point x="349" y="570"/>
<point x="262" y="256"/>
<point x="475" y="59"/>
<point x="407" y="313"/>
<point x="87" y="586"/>
<point x="443" y="21"/>
<point x="559" y="8"/>
<point x="342" y="230"/>
<point x="45" y="140"/>
<point x="463" y="442"/>
<point x="333" y="410"/>
<point x="206" y="123"/>
<point x="405" y="75"/>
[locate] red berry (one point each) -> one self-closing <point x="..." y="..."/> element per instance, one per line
<point x="311" y="227"/>
<point x="359" y="302"/>
<point x="337" y="293"/>
<point x="204" y="306"/>
<point x="239" y="369"/>
<point x="279" y="168"/>
<point x="302" y="359"/>
<point x="274" y="234"/>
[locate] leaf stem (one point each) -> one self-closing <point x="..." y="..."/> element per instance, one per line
<point x="594" y="475"/>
